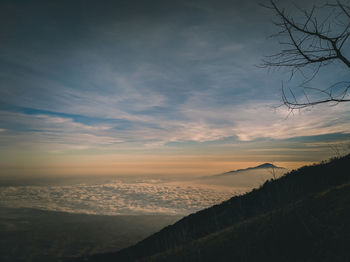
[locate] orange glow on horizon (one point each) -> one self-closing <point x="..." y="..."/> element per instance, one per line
<point x="139" y="165"/>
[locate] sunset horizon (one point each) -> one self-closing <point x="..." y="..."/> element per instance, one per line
<point x="161" y="130"/>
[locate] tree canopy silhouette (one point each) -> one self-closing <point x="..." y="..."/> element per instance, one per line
<point x="316" y="38"/>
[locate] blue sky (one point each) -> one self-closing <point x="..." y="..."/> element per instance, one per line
<point x="141" y="81"/>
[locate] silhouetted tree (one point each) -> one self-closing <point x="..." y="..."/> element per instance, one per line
<point x="315" y="39"/>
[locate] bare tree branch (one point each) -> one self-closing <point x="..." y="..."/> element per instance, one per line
<point x="312" y="42"/>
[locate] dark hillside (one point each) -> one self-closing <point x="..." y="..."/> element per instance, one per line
<point x="314" y="229"/>
<point x="285" y="201"/>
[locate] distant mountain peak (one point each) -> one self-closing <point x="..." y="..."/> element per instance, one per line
<point x="266" y="165"/>
<point x="262" y="166"/>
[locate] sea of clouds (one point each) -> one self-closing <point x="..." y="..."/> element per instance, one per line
<point x="117" y="197"/>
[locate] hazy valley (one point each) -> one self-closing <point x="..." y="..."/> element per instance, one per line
<point x="57" y="220"/>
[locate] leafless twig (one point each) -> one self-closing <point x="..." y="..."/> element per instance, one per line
<point x="313" y="43"/>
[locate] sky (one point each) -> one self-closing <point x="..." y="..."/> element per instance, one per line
<point x="152" y="87"/>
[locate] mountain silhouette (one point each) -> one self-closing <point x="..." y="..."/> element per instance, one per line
<point x="262" y="166"/>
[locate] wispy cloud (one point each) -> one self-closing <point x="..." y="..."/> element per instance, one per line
<point x="246" y="122"/>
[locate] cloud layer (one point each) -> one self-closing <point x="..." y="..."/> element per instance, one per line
<point x="118" y="198"/>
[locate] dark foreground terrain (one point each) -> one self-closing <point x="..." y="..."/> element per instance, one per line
<point x="36" y="235"/>
<point x="303" y="216"/>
